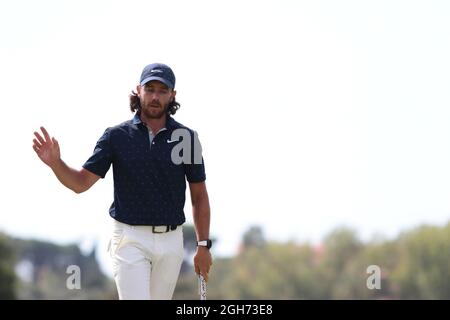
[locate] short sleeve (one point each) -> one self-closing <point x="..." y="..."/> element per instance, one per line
<point x="195" y="171"/>
<point x="101" y="159"/>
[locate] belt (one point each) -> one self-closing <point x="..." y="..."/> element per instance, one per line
<point x="163" y="229"/>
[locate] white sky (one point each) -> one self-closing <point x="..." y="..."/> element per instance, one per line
<point x="311" y="114"/>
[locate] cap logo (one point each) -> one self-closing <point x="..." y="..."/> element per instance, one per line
<point x="156" y="71"/>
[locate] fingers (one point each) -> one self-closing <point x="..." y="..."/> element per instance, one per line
<point x="55" y="142"/>
<point x="36" y="148"/>
<point x="38" y="136"/>
<point x="40" y="141"/>
<point x="197" y="269"/>
<point x="205" y="274"/>
<point x="202" y="263"/>
<point x="46" y="135"/>
<point x="37" y="143"/>
<point x="203" y="271"/>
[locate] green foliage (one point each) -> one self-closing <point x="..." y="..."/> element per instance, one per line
<point x="7" y="276"/>
<point x="276" y="272"/>
<point x="416" y="265"/>
<point x="254" y="237"/>
<point x="425" y="269"/>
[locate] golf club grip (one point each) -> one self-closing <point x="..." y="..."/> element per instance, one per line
<point x="202" y="287"/>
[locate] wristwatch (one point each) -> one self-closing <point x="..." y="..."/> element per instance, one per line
<point x="205" y="243"/>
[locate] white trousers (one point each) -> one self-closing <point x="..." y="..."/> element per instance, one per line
<point x="146" y="265"/>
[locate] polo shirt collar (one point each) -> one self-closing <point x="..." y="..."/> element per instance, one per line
<point x="136" y="119"/>
<point x="170" y="122"/>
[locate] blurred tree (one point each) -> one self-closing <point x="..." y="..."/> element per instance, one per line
<point x="424" y="271"/>
<point x="414" y="266"/>
<point x="7" y="276"/>
<point x="340" y="247"/>
<point x="253" y="237"/>
<point x="276" y="271"/>
<point x="383" y="255"/>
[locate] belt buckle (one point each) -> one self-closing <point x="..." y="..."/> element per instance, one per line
<point x="154" y="230"/>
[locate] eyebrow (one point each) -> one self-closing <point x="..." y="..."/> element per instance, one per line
<point x="162" y="86"/>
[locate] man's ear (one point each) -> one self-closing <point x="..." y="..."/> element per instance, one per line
<point x="138" y="90"/>
<point x="174" y="93"/>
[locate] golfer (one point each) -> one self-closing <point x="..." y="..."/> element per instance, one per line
<point x="152" y="156"/>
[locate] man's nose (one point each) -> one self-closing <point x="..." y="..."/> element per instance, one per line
<point x="155" y="101"/>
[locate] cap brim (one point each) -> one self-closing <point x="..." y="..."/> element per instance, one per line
<point x="146" y="80"/>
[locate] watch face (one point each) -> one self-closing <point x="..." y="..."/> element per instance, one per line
<point x="205" y="243"/>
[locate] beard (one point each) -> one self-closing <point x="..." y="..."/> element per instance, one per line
<point x="150" y="112"/>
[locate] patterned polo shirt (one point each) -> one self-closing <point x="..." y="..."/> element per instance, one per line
<point x="149" y="186"/>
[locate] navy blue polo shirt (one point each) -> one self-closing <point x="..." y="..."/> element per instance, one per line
<point x="149" y="188"/>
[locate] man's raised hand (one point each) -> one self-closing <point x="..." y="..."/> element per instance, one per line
<point x="46" y="148"/>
